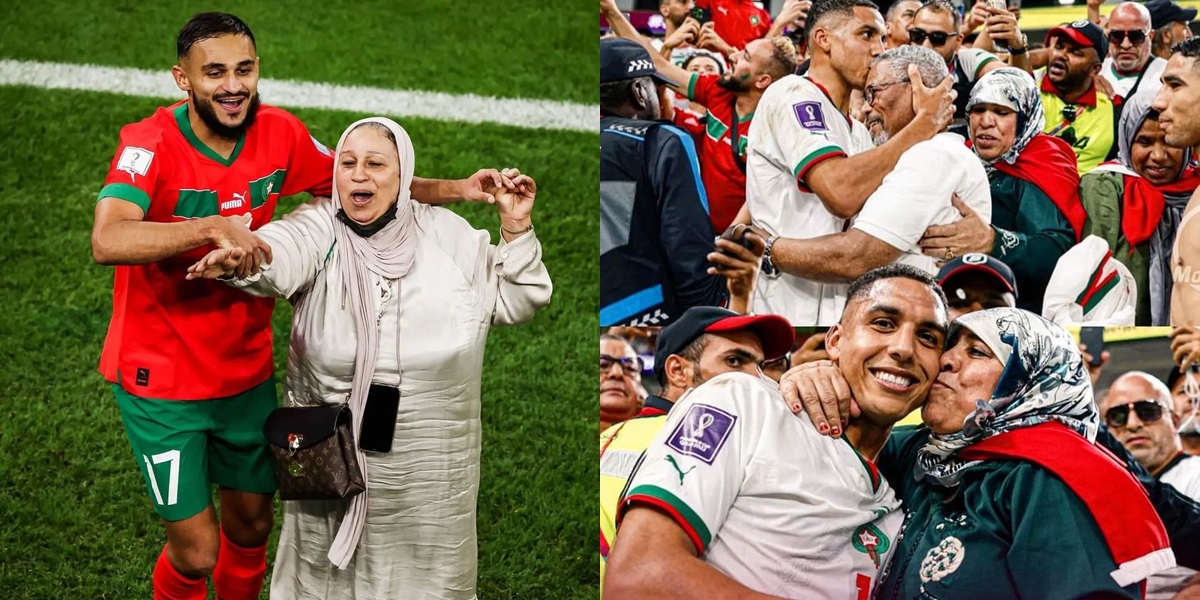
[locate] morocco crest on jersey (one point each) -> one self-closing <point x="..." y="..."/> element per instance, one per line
<point x="871" y="541"/>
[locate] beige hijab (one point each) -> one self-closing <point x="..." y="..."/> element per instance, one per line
<point x="388" y="253"/>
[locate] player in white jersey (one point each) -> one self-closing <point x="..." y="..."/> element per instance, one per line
<point x="736" y="496"/>
<point x="810" y="167"/>
<point x="910" y="199"/>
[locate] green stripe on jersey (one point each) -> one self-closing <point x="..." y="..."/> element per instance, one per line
<point x="194" y="204"/>
<point x="814" y="155"/>
<point x="693" y="520"/>
<point x="127" y="192"/>
<point x="261" y="188"/>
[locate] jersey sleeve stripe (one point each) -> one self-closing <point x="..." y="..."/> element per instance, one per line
<point x="126" y="192"/>
<point x="810" y="161"/>
<point x="691" y="89"/>
<point x="683" y="514"/>
<point x="981" y="64"/>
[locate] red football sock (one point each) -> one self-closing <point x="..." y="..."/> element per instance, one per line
<point x="240" y="571"/>
<point x="170" y="584"/>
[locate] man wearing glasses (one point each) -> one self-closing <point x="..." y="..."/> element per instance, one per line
<point x="1076" y="111"/>
<point x="621" y="389"/>
<point x="936" y="26"/>
<point x="703" y="343"/>
<point x="1137" y="410"/>
<point x="1129" y="64"/>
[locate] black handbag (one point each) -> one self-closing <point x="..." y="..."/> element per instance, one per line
<point x="313" y="452"/>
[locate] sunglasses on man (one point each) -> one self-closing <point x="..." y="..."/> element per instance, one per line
<point x="1136" y="36"/>
<point x="630" y="366"/>
<point x="936" y="38"/>
<point x="1148" y="411"/>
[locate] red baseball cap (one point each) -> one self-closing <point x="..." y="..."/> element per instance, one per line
<point x="1082" y="32"/>
<point x="774" y="331"/>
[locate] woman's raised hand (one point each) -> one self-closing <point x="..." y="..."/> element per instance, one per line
<point x="515" y="203"/>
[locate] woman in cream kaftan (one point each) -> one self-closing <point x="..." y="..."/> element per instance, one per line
<point x="431" y="324"/>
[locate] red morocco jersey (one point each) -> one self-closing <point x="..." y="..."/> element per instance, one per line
<point x="175" y="339"/>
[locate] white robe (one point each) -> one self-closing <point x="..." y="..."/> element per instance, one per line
<point x="419" y="539"/>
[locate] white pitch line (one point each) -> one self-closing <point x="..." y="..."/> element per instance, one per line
<point x="532" y="114"/>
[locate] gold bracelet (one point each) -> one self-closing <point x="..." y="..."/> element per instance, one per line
<point x="521" y="232"/>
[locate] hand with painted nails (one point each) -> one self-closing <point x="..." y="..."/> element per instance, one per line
<point x="819" y="389"/>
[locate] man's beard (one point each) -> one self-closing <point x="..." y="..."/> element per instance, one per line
<point x="207" y="111"/>
<point x="1073" y="81"/>
<point x="728" y="82"/>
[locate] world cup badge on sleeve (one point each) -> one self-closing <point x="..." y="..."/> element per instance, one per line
<point x="135" y="161"/>
<point x="810" y="115"/>
<point x="702" y="432"/>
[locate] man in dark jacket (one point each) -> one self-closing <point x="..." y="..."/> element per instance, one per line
<point x="657" y="254"/>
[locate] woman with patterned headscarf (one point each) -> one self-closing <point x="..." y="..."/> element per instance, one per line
<point x="1036" y="213"/>
<point x="1005" y="494"/>
<point x="1135" y="203"/>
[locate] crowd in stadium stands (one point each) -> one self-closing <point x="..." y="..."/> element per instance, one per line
<point x="711" y="486"/>
<point x="834" y="139"/>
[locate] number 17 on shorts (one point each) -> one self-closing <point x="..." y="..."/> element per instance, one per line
<point x="170" y="457"/>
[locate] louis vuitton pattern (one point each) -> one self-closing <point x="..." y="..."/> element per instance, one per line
<point x="328" y="470"/>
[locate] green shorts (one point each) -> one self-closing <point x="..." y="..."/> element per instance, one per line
<point x="184" y="446"/>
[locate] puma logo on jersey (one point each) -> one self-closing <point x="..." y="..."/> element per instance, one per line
<point x="239" y="200"/>
<point x="682" y="473"/>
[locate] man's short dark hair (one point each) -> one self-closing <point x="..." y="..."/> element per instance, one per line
<point x="893" y="10"/>
<point x="616" y="95"/>
<point x="687" y="62"/>
<point x="942" y="6"/>
<point x="203" y="26"/>
<point x="1189" y="48"/>
<point x="608" y="337"/>
<point x="822" y="9"/>
<point x="695" y="350"/>
<point x="862" y="286"/>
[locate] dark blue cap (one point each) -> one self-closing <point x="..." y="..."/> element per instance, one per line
<point x="1165" y="12"/>
<point x="982" y="263"/>
<point x="622" y="59"/>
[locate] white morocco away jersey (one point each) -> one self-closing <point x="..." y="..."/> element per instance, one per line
<point x="767" y="500"/>
<point x="795" y="127"/>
